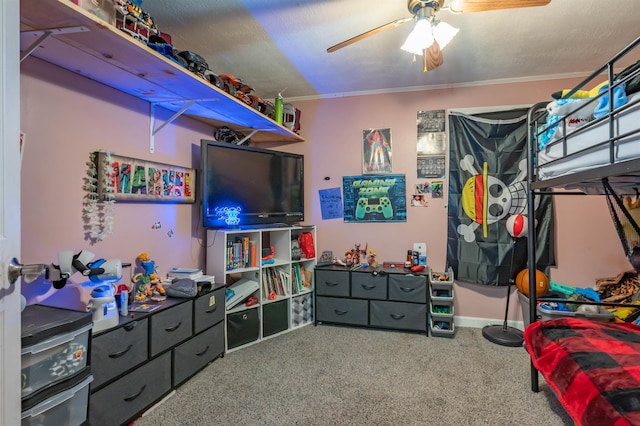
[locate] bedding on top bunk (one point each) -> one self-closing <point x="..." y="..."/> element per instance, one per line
<point x="593" y="367"/>
<point x="594" y="156"/>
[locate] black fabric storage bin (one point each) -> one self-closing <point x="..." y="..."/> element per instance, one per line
<point x="276" y="317"/>
<point x="242" y="328"/>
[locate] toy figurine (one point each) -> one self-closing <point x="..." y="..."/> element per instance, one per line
<point x="352" y="257"/>
<point x="372" y="259"/>
<point x="148" y="284"/>
<point x="348" y="258"/>
<point x="141" y="282"/>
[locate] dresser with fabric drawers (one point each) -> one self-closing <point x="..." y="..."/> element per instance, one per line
<point x="386" y="298"/>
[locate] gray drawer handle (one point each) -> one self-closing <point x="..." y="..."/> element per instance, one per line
<point x="331" y="283"/>
<point x="368" y="286"/>
<point x="407" y="289"/>
<point x="203" y="352"/>
<point x="396" y="316"/>
<point x="211" y="310"/>
<point x="119" y="354"/>
<point x="341" y="312"/>
<point x="174" y="328"/>
<point x="130" y="326"/>
<point x="134" y="396"/>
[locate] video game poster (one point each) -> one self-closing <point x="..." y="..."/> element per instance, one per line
<point x="380" y="198"/>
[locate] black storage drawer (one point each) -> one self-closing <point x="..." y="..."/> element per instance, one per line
<point x="398" y="315"/>
<point x="208" y="309"/>
<point x="408" y="288"/>
<point x="368" y="286"/>
<point x="170" y="327"/>
<point x="121" y="400"/>
<point x="332" y="283"/>
<point x="242" y="327"/>
<point x="275" y="317"/>
<point x="346" y="311"/>
<point x="117" y="351"/>
<point x="194" y="354"/>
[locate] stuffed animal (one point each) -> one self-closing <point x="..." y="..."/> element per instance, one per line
<point x="579" y="93"/>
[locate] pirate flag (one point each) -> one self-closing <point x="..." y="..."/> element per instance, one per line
<point x="487" y="187"/>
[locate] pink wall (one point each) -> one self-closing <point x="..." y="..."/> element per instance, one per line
<point x="66" y="117"/>
<point x="587" y="244"/>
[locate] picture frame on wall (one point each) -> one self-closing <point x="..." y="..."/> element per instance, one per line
<point x="130" y="179"/>
<point x="376" y="151"/>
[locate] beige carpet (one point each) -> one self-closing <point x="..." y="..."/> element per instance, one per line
<point x="328" y="375"/>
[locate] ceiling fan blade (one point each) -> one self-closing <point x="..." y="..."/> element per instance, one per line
<point x="468" y="6"/>
<point x="369" y="33"/>
<point x="432" y="57"/>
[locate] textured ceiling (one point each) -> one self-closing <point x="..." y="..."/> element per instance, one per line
<point x="276" y="45"/>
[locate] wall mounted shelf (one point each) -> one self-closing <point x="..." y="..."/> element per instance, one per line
<point x="109" y="56"/>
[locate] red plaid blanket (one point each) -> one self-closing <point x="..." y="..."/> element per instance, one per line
<point x="593" y="367"/>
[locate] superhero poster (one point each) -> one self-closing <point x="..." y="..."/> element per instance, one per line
<point x="380" y="198"/>
<point x="376" y="151"/>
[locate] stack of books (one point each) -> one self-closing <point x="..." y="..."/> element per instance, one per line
<point x="180" y="273"/>
<point x="189" y="273"/>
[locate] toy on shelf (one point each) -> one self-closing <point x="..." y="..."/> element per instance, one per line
<point x="352" y="257"/>
<point x="589" y="293"/>
<point x="372" y="259"/>
<point x="270" y="258"/>
<point x="148" y="283"/>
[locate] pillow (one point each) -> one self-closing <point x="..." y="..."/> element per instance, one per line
<point x="184" y="287"/>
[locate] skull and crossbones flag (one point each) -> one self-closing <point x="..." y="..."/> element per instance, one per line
<point x="486" y="239"/>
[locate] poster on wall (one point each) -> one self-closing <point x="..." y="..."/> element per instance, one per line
<point x="379" y="198"/>
<point x="437" y="189"/>
<point x="431" y="167"/>
<point x="432" y="140"/>
<point x="376" y="151"/>
<point x="330" y="203"/>
<point x="431" y="144"/>
<point x="419" y="200"/>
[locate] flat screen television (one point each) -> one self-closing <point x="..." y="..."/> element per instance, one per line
<point x="248" y="186"/>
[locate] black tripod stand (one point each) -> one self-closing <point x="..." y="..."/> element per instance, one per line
<point x="503" y="334"/>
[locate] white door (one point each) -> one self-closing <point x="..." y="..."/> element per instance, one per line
<point x="9" y="210"/>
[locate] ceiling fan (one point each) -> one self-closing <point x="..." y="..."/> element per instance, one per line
<point x="429" y="35"/>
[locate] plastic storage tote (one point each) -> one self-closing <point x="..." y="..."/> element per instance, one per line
<point x="68" y="406"/>
<point x="55" y="346"/>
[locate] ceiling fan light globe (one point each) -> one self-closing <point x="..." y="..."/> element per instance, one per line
<point x="420" y="38"/>
<point x="444" y="33"/>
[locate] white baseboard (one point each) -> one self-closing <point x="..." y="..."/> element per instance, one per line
<point x="473" y="322"/>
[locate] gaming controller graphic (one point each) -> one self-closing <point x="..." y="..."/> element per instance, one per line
<point x="374" y="205"/>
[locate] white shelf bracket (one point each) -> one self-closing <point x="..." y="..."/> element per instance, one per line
<point x="253" y="132"/>
<point x="152" y="122"/>
<point x="44" y="34"/>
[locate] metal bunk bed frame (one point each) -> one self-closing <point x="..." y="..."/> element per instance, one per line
<point x="627" y="171"/>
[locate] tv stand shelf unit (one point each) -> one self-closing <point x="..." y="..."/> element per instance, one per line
<point x="86" y="45"/>
<point x="387" y="298"/>
<point x="277" y="310"/>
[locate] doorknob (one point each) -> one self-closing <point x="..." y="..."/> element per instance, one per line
<point x="29" y="272"/>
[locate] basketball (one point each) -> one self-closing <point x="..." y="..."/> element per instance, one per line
<point x="522" y="282"/>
